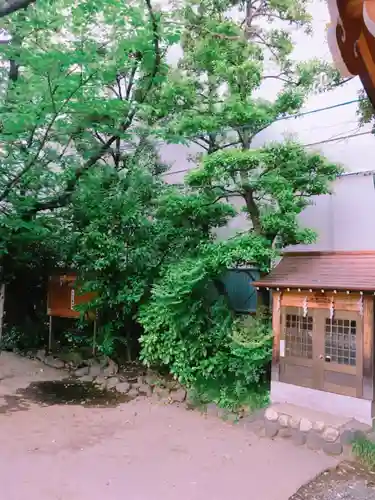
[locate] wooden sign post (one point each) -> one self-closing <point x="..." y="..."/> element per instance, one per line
<point x="62" y="299"/>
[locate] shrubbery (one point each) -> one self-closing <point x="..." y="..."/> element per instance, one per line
<point x="189" y="329"/>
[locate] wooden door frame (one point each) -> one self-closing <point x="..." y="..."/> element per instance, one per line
<point x="317" y="363"/>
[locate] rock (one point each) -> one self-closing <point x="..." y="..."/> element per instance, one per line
<point x="271" y="428"/>
<point x="123" y="387"/>
<point x="86" y="378"/>
<point x="82" y="371"/>
<point x="314" y="440"/>
<point x="212" y="410"/>
<point x="161" y="393"/>
<point x="299" y="438"/>
<point x="231" y="417"/>
<point x="333" y="448"/>
<point x="112" y="382"/>
<point x="54" y="362"/>
<point x="255" y="415"/>
<point x="223" y="413"/>
<point x="284" y="420"/>
<point x="151" y="379"/>
<point x="41" y="355"/>
<point x="371" y="437"/>
<point x="258" y="429"/>
<point x="318" y="426"/>
<point x="101" y="382"/>
<point x="285" y="432"/>
<point x="305" y="425"/>
<point x="178" y="395"/>
<point x="133" y="392"/>
<point x="359" y="434"/>
<point x="330" y="435"/>
<point x="111" y="369"/>
<point x="95" y="370"/>
<point x="355" y="425"/>
<point x="141" y="380"/>
<point x="294" y="422"/>
<point x="145" y="390"/>
<point x="271" y="415"/>
<point x="347" y="437"/>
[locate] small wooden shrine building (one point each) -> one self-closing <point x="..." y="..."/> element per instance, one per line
<point x="323" y="324"/>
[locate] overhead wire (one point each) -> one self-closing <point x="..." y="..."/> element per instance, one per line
<point x="317" y="143"/>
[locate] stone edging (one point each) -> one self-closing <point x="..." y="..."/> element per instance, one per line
<point x="316" y="435"/>
<point x="105" y="374"/>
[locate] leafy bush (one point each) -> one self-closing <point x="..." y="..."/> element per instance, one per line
<point x="190" y="329"/>
<point x="14" y="338"/>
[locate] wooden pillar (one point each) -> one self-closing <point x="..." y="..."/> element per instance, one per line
<point x="368" y="348"/>
<point x="276" y="327"/>
<point x="50" y="334"/>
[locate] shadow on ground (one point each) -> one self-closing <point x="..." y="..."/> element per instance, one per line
<point x="61" y="392"/>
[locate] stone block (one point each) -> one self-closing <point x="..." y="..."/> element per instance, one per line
<point x="305" y="425"/>
<point x="101" y="382"/>
<point x="95" y="370"/>
<point x="111" y="369"/>
<point x="333" y="448"/>
<point x="318" y="426"/>
<point x="112" y="382"/>
<point x="330" y="435"/>
<point x="80" y="372"/>
<point x="271" y="415"/>
<point x="86" y="379"/>
<point x="212" y="409"/>
<point x="298" y="438"/>
<point x="132" y="393"/>
<point x="354" y="424"/>
<point x="41" y="355"/>
<point x="314" y="440"/>
<point x="271" y="428"/>
<point x="358" y="434"/>
<point x="285" y="432"/>
<point x="284" y="420"/>
<point x="161" y="392"/>
<point x="347" y="437"/>
<point x="123" y="387"/>
<point x="178" y="395"/>
<point x="294" y="422"/>
<point x="54" y="362"/>
<point x="145" y="390"/>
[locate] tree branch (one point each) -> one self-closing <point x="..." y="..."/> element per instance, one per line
<point x="31" y="162"/>
<point x="62" y="198"/>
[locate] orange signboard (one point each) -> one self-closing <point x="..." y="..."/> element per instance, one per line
<point x="351" y="38"/>
<point x="63" y="297"/>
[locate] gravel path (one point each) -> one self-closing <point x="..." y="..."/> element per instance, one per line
<point x="140" y="450"/>
<point x="348" y="481"/>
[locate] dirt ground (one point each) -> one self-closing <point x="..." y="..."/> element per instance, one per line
<point x="349" y="481"/>
<point x="140" y="450"/>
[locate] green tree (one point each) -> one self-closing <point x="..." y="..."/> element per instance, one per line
<point x="125" y="230"/>
<point x="78" y="81"/>
<point x="188" y="325"/>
